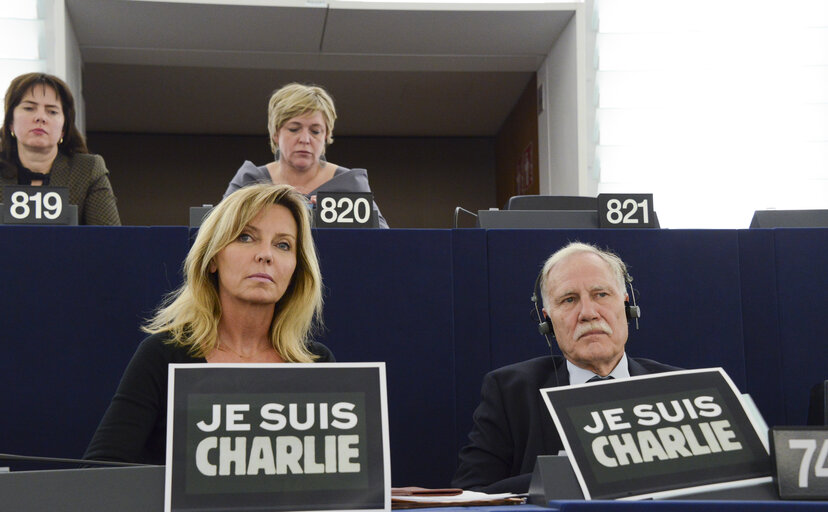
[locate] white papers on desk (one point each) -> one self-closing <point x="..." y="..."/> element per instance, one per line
<point x="464" y="497"/>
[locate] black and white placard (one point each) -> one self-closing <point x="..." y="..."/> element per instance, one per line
<point x="35" y="205"/>
<point x="277" y="437"/>
<point x="626" y="211"/>
<point x="800" y="456"/>
<point x="345" y="210"/>
<point x="659" y="435"/>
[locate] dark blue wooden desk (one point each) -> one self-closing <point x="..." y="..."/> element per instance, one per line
<point x="440" y="307"/>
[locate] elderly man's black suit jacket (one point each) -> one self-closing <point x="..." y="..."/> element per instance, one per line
<point x="512" y="425"/>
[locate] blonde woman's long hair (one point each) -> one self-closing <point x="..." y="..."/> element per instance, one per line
<point x="191" y="313"/>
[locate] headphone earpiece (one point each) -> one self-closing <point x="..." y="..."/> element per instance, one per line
<point x="545" y="327"/>
<point x="633" y="312"/>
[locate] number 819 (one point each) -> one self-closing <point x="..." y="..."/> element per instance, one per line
<point x="46" y="205"/>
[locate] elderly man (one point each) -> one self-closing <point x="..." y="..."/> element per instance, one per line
<point x="585" y="302"/>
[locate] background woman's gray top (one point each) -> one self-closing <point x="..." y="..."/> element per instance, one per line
<point x="344" y="180"/>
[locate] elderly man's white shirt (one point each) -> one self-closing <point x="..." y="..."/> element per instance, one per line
<point x="578" y="375"/>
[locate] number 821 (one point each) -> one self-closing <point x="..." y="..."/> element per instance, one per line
<point x="615" y="211"/>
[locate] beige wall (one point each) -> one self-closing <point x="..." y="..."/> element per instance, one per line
<point x="417" y="182"/>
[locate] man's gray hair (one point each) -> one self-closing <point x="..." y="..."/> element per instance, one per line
<point x="618" y="267"/>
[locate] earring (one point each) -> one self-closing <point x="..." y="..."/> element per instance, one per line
<point x="12" y="133"/>
<point x="60" y="141"/>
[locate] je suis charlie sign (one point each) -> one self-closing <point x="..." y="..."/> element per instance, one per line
<point x="659" y="435"/>
<point x="277" y="437"/>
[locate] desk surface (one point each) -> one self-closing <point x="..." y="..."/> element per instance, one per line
<point x="141" y="489"/>
<point x="128" y="489"/>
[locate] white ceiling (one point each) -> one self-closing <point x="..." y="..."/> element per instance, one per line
<point x="393" y="69"/>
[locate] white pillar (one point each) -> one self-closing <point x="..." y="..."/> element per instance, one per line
<point x="62" y="53"/>
<point x="562" y="128"/>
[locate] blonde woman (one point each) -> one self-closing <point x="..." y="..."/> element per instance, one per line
<point x="300" y="120"/>
<point x="251" y="294"/>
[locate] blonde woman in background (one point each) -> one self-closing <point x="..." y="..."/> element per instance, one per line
<point x="300" y="120"/>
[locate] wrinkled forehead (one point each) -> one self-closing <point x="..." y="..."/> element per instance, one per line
<point x="583" y="270"/>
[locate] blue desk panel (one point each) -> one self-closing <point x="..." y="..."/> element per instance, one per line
<point x="471" y="325"/>
<point x="686" y="506"/>
<point x="71" y="300"/>
<point x="688" y="285"/>
<point x="763" y="353"/>
<point x="440" y="307"/>
<point x="802" y="291"/>
<point x="650" y="506"/>
<point x="388" y="297"/>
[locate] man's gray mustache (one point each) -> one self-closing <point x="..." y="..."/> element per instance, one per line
<point x="595" y="325"/>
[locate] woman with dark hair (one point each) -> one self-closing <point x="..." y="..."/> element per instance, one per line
<point x="41" y="146"/>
